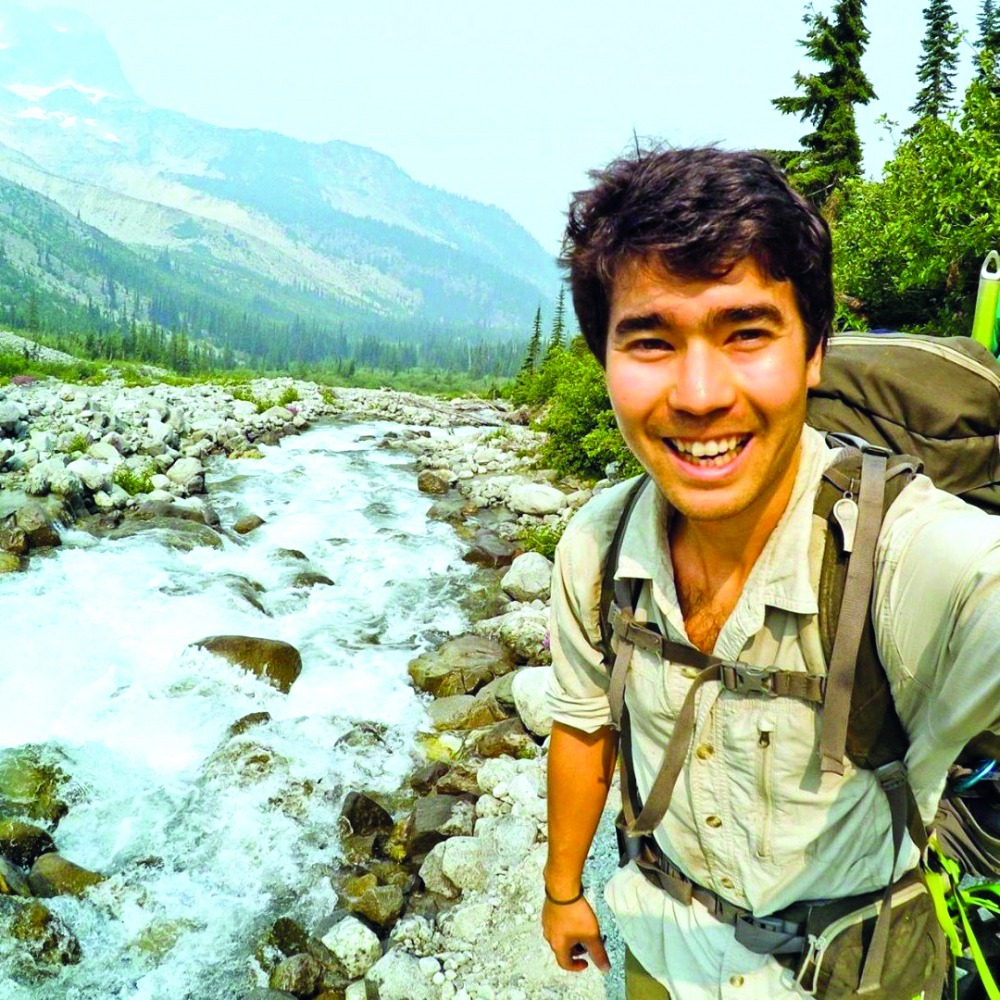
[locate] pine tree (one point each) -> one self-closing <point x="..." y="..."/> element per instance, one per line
<point x="936" y="71"/>
<point x="558" y="324"/>
<point x="988" y="45"/>
<point x="831" y="153"/>
<point x="521" y="389"/>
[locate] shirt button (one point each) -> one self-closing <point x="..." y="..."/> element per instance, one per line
<point x="704" y="751"/>
<point x="736" y="980"/>
<point x="713" y="821"/>
<point x="726" y="882"/>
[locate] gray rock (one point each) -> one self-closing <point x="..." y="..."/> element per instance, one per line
<point x="355" y="946"/>
<point x="462" y="863"/>
<point x="10" y="415"/>
<point x="460" y="666"/>
<point x="529" y="577"/>
<point x="506" y="840"/>
<point x="435" y="818"/>
<point x="530" y="689"/>
<point x="37" y="526"/>
<point x="536" y="498"/>
<point x="92" y="475"/>
<point x="397" y="976"/>
<point x="490" y="550"/>
<point x="524" y="632"/>
<point x="248" y="523"/>
<point x="364" y="816"/>
<point x="12" y="881"/>
<point x="189" y="474"/>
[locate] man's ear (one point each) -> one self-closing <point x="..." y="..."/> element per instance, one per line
<point x="814" y="368"/>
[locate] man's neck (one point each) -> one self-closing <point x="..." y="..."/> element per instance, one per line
<point x="712" y="560"/>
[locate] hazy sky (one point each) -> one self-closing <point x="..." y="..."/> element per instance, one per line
<point x="509" y="103"/>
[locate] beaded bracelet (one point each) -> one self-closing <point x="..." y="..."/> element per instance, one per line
<point x="564" y="902"/>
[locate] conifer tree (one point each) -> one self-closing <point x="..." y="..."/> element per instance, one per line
<point x="831" y="153"/>
<point x="520" y="392"/>
<point x="558" y="324"/>
<point x="988" y="45"/>
<point x="936" y="70"/>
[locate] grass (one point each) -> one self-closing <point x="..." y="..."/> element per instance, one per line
<point x="542" y="538"/>
<point x="131" y="481"/>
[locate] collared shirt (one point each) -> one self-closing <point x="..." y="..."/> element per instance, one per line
<point x="752" y="816"/>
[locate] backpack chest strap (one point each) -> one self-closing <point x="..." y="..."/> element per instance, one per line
<point x="736" y="677"/>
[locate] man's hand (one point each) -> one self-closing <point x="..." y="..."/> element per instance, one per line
<point x="571" y="931"/>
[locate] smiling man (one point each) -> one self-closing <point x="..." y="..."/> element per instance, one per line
<point x="702" y="284"/>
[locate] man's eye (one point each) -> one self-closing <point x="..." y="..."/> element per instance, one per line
<point x="749" y="336"/>
<point x="651" y="344"/>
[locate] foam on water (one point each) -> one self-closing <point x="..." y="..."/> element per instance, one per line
<point x="207" y="846"/>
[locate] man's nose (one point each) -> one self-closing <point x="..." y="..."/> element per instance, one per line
<point x="703" y="381"/>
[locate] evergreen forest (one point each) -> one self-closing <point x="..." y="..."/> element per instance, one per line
<point x="908" y="246"/>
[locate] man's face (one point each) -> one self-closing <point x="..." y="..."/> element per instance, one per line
<point x="708" y="382"/>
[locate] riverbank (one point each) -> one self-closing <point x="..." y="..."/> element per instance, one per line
<point x="471" y="827"/>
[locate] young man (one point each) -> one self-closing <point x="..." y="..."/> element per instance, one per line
<point x="702" y="284"/>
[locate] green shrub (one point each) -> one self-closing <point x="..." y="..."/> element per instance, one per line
<point x="583" y="435"/>
<point x="541" y="538"/>
<point x="131" y="481"/>
<point x="290" y="395"/>
<point x="79" y="443"/>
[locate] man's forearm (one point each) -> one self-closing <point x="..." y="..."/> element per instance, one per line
<point x="580" y="769"/>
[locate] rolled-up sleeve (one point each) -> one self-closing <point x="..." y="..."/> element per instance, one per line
<point x="937" y="613"/>
<point x="578" y="683"/>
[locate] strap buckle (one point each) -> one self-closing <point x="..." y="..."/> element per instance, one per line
<point x="742" y="679"/>
<point x="892" y="775"/>
<point x="768" y="935"/>
<point x="875" y="449"/>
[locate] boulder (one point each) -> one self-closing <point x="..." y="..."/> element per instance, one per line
<point x="247" y="523"/>
<point x="363" y="816"/>
<point x="46" y="937"/>
<point x="299" y="975"/>
<point x="434" y="481"/>
<point x="22" y="843"/>
<point x="505" y="739"/>
<point x="530" y="687"/>
<point x="32" y="784"/>
<point x="13" y="539"/>
<point x="524" y="632"/>
<point x="529" y="578"/>
<point x="355" y="946"/>
<point x="464" y="711"/>
<point x="536" y="498"/>
<point x="397" y="976"/>
<point x="435" y="818"/>
<point x="35" y="522"/>
<point x="12" y="881"/>
<point x="506" y="840"/>
<point x="381" y="904"/>
<point x="277" y="662"/>
<point x="10" y="416"/>
<point x="9" y="563"/>
<point x="460" y="666"/>
<point x="462" y="863"/>
<point x="489" y="549"/>
<point x="92" y="475"/>
<point x="52" y="875"/>
<point x="189" y="474"/>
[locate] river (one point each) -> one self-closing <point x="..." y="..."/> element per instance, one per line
<point x="206" y="847"/>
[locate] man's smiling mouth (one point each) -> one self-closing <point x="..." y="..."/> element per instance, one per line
<point x="710" y="451"/>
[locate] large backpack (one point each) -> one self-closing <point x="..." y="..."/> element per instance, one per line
<point x="936" y="404"/>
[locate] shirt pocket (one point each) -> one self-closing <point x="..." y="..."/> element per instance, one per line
<point x="646" y="695"/>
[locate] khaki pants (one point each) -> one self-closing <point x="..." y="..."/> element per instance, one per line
<point x="639" y="984"/>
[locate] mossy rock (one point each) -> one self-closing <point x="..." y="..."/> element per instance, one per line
<point x="23" y="842"/>
<point x="53" y="875"/>
<point x="33" y="784"/>
<point x="47" y="939"/>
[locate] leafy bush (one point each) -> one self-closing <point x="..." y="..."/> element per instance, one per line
<point x="132" y="481"/>
<point x="290" y="395"/>
<point x="541" y="538"/>
<point x="583" y="436"/>
<point x="78" y="443"/>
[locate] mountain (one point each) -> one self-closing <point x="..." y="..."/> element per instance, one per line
<point x="330" y="233"/>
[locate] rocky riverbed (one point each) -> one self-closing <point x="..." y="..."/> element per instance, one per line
<point x="440" y="885"/>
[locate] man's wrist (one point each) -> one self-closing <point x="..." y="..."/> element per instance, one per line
<point x="564" y="902"/>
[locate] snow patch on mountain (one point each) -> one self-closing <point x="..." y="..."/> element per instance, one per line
<point x="35" y="92"/>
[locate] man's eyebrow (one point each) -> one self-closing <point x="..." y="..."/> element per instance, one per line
<point x="648" y="321"/>
<point x="736" y="315"/>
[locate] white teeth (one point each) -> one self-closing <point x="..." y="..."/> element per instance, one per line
<point x="707" y="449"/>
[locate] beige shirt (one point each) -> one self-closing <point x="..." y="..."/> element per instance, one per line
<point x="752" y="817"/>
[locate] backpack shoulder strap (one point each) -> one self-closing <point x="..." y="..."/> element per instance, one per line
<point x="626" y="593"/>
<point x="859" y="716"/>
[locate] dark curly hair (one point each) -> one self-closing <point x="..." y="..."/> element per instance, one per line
<point x="700" y="211"/>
